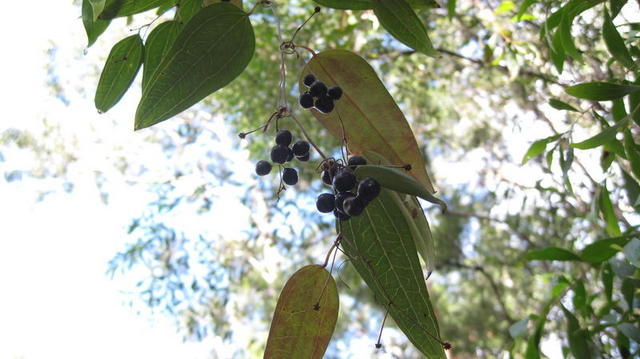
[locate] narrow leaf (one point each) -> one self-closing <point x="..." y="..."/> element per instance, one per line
<point x="601" y="91"/>
<point x="631" y="150"/>
<point x="347" y="4"/>
<point x="631" y="331"/>
<point x="580" y="296"/>
<point x="524" y="7"/>
<point x="601" y="250"/>
<point x="92" y="26"/>
<point x="628" y="289"/>
<point x="603" y="137"/>
<point x="560" y="105"/>
<point x="120" y="8"/>
<point x="211" y="51"/>
<point x="557" y="51"/>
<point x="632" y="252"/>
<point x="157" y="46"/>
<point x="616" y="6"/>
<point x="451" y="9"/>
<point x="608" y="214"/>
<point x="578" y="338"/>
<point x="372" y="120"/>
<point x="538" y="147"/>
<point x="119" y="71"/>
<point x="634" y="105"/>
<point x="632" y="188"/>
<point x="565" y="166"/>
<point x="397" y="17"/>
<point x="614" y="42"/>
<point x="305" y="315"/>
<point x="607" y="281"/>
<point x="552" y="254"/>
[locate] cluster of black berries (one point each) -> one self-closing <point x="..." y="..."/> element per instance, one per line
<point x="343" y="202"/>
<point x="282" y="153"/>
<point x="319" y="95"/>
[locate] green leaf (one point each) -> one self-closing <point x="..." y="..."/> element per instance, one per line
<point x="580" y="296"/>
<point x="557" y="51"/>
<point x="614" y="42"/>
<point x="631" y="150"/>
<point x="210" y="52"/>
<point x="372" y="120"/>
<point x="578" y="338"/>
<point x="538" y="147"/>
<point x="565" y="36"/>
<point x="603" y="137"/>
<point x="119" y="71"/>
<point x="347" y="4"/>
<point x="616" y="6"/>
<point x="634" y="105"/>
<point x="552" y="254"/>
<point x="519" y="328"/>
<point x="533" y="343"/>
<point x="565" y="166"/>
<point x="187" y="9"/>
<point x="524" y="6"/>
<point x="96" y="8"/>
<point x="631" y="331"/>
<point x="632" y="252"/>
<point x="607" y="281"/>
<point x="505" y="6"/>
<point x="120" y="8"/>
<point x="305" y="315"/>
<point x="601" y="91"/>
<point x="157" y="46"/>
<point x="608" y="214"/>
<point x="632" y="188"/>
<point x="628" y="289"/>
<point x="94" y="28"/>
<point x="398" y="181"/>
<point x="601" y="250"/>
<point x="451" y="9"/>
<point x="380" y="246"/>
<point x="560" y="105"/>
<point x="397" y="17"/>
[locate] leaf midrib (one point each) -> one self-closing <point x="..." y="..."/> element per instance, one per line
<point x="119" y="72"/>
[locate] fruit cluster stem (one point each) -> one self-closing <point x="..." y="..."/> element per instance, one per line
<point x="306" y="136"/>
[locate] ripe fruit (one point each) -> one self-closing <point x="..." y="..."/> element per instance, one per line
<point x="356" y="161"/>
<point x="284" y="137"/>
<point x="304" y="158"/>
<point x="318" y="89"/>
<point x="326" y="178"/>
<point x="306" y="100"/>
<point x="353" y="206"/>
<point x="300" y="148"/>
<point x="325" y="202"/>
<point x="340" y="197"/>
<point x="368" y="189"/>
<point x="344" y="181"/>
<point x="290" y="176"/>
<point x="324" y="104"/>
<point x="309" y="79"/>
<point x="279" y="154"/>
<point x="340" y="215"/>
<point x="263" y="168"/>
<point x="289" y="154"/>
<point x="335" y="92"/>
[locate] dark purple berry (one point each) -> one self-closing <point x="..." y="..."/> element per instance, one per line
<point x="290" y="176"/>
<point x="368" y="189"/>
<point x="353" y="206"/>
<point x="263" y="168"/>
<point x="309" y="79"/>
<point x="318" y="89"/>
<point x="340" y="215"/>
<point x="324" y="104"/>
<point x="335" y="92"/>
<point x="304" y="158"/>
<point x="289" y="154"/>
<point x="344" y="181"/>
<point x="326" y="202"/>
<point x="300" y="148"/>
<point x="340" y="197"/>
<point x="306" y="100"/>
<point x="356" y="161"/>
<point x="326" y="178"/>
<point x="279" y="154"/>
<point x="284" y="137"/>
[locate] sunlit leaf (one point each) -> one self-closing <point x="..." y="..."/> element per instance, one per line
<point x="156" y="47"/>
<point x="119" y="71"/>
<point x="561" y="105"/>
<point x="371" y="118"/>
<point x="523" y="8"/>
<point x="552" y="254"/>
<point x="578" y="338"/>
<point x="211" y="51"/>
<point x="92" y="26"/>
<point x="538" y="147"/>
<point x="601" y="250"/>
<point x="397" y="17"/>
<point x="615" y="43"/>
<point x="120" y="8"/>
<point x="96" y="7"/>
<point x="601" y="91"/>
<point x="305" y="316"/>
<point x="632" y="252"/>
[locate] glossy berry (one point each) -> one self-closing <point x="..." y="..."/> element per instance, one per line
<point x="289" y="154"/>
<point x="344" y="181"/>
<point x="368" y="189"/>
<point x="263" y="168"/>
<point x="318" y="89"/>
<point x="340" y="215"/>
<point x="306" y="100"/>
<point x="304" y="158"/>
<point x="324" y="104"/>
<point x="326" y="178"/>
<point x="309" y="79"/>
<point x="356" y="161"/>
<point x="325" y="202"/>
<point x="279" y="154"/>
<point x="300" y="148"/>
<point x="284" y="137"/>
<point x="340" y="197"/>
<point x="353" y="206"/>
<point x="335" y="92"/>
<point x="290" y="176"/>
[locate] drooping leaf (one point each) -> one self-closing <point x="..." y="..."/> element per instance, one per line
<point x="397" y="17"/>
<point x="603" y="137"/>
<point x="211" y="51"/>
<point x="615" y="43"/>
<point x="119" y="71"/>
<point x="552" y="254"/>
<point x="538" y="147"/>
<point x="557" y="52"/>
<point x="578" y="338"/>
<point x="380" y="246"/>
<point x="93" y="27"/>
<point x="305" y="316"/>
<point x="608" y="214"/>
<point x="616" y="6"/>
<point x="601" y="91"/>
<point x="580" y="296"/>
<point x="524" y="6"/>
<point x="371" y="118"/>
<point x="156" y="48"/>
<point x="120" y="8"/>
<point x="561" y="105"/>
<point x="601" y="250"/>
<point x="632" y="252"/>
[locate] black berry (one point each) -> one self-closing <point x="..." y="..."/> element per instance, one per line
<point x="304" y="158"/>
<point x="279" y="154"/>
<point x="341" y="216"/>
<point x="325" y="202"/>
<point x="290" y="176"/>
<point x="353" y="206"/>
<point x="284" y="137"/>
<point x="368" y="189"/>
<point x="327" y="178"/>
<point x="335" y="92"/>
<point x="289" y="154"/>
<point x="324" y="104"/>
<point x="306" y="100"/>
<point x="300" y="148"/>
<point x="263" y="168"/>
<point x="340" y="197"/>
<point x="344" y="181"/>
<point x="309" y="79"/>
<point x="356" y="161"/>
<point x="318" y="89"/>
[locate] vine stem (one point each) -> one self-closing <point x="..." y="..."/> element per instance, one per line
<point x="313" y="53"/>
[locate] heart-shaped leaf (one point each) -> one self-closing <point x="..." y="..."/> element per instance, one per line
<point x="210" y="52"/>
<point x="157" y="46"/>
<point x="119" y="71"/>
<point x="120" y="8"/>
<point x="397" y="17"/>
<point x="305" y="315"/>
<point x="372" y="120"/>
